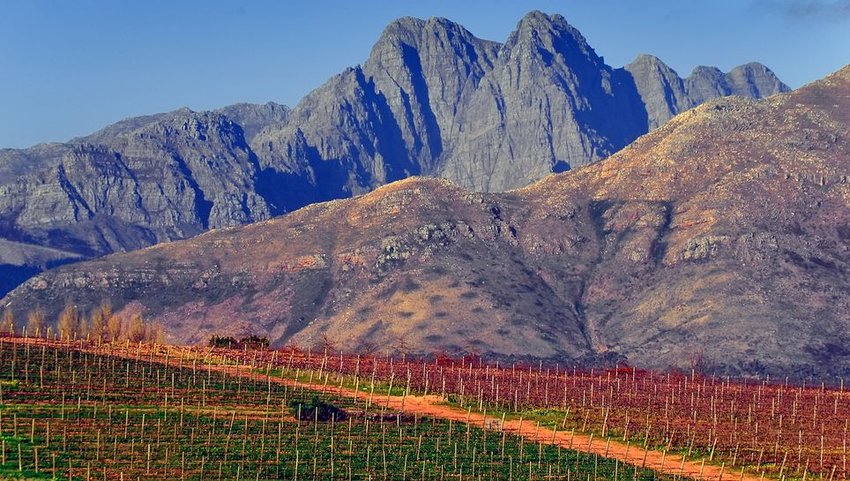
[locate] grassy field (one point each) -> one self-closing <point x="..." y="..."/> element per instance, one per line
<point x="67" y="414"/>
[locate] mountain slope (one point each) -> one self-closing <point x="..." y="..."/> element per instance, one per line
<point x="718" y="240"/>
<point x="343" y="264"/>
<point x="726" y="235"/>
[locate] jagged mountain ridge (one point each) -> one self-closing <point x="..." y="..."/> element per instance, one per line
<point x="431" y="99"/>
<point x="720" y="240"/>
<point x="488" y="116"/>
<point x="665" y="94"/>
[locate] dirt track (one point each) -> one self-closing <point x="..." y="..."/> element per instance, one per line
<point x="433" y="406"/>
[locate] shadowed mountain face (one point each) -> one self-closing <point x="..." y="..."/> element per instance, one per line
<point x="720" y="239"/>
<point x="431" y="99"/>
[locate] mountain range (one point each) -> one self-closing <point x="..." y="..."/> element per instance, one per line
<point x="720" y="240"/>
<point x="431" y="100"/>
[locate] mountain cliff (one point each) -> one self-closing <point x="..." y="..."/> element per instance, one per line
<point x="432" y="99"/>
<point x="720" y="239"/>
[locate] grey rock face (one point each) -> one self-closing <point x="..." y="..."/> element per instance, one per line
<point x="387" y="120"/>
<point x="661" y="90"/>
<point x="752" y="80"/>
<point x="15" y="163"/>
<point x="425" y="69"/>
<point x="253" y="117"/>
<point x="546" y="106"/>
<point x="169" y="179"/>
<point x="431" y="99"/>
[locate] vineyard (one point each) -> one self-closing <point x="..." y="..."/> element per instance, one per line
<point x="776" y="430"/>
<point x="85" y="412"/>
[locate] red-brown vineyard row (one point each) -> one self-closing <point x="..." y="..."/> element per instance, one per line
<point x="780" y="429"/>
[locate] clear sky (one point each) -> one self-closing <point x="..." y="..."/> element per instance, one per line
<point x="68" y="68"/>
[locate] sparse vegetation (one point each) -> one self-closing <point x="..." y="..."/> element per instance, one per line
<point x="316" y="410"/>
<point x="249" y="342"/>
<point x="224" y="342"/>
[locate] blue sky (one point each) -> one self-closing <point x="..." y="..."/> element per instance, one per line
<point x="68" y="68"/>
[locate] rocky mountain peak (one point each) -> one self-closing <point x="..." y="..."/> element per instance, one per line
<point x="546" y="24"/>
<point x="754" y="80"/>
<point x="399" y="30"/>
<point x="750" y="80"/>
<point x="705" y="71"/>
<point x="660" y="87"/>
<point x="420" y="70"/>
<point x="186" y="125"/>
<point x="548" y="36"/>
<point x="646" y="60"/>
<point x="416" y="33"/>
<point x="652" y="70"/>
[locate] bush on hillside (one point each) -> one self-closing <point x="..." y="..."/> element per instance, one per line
<point x="225" y="342"/>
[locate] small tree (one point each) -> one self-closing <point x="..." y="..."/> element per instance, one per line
<point x="114" y="327"/>
<point x="36" y="323"/>
<point x="83" y="330"/>
<point x="403" y="345"/>
<point x="8" y="322"/>
<point x="368" y="348"/>
<point x="70" y="323"/>
<point x="100" y="319"/>
<point x="326" y="344"/>
<point x="154" y="333"/>
<point x="137" y="330"/>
